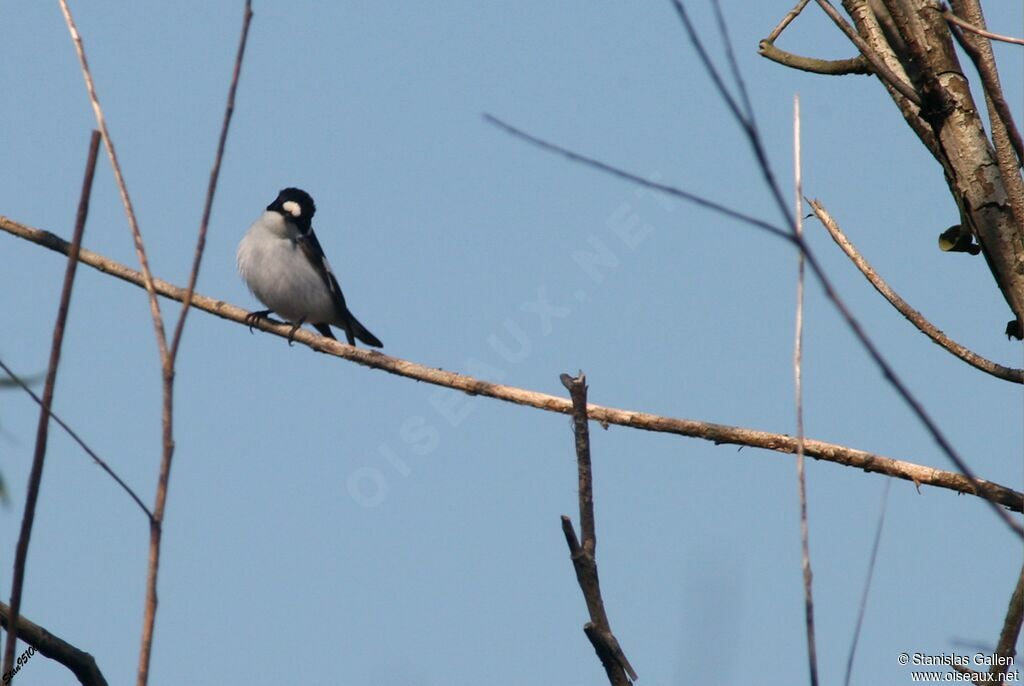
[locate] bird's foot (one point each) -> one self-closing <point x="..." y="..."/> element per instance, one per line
<point x="295" y="327"/>
<point x="254" y="317"/>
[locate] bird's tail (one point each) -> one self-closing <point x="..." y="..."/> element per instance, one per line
<point x="355" y="330"/>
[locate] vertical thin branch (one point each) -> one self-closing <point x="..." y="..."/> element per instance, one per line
<point x="598" y="630"/>
<point x="812" y="651"/>
<point x="867" y="584"/>
<point x="211" y="189"/>
<point x="101" y="122"/>
<point x="156" y="523"/>
<point x="36" y="473"/>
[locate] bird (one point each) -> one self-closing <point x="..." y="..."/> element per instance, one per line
<point x="282" y="263"/>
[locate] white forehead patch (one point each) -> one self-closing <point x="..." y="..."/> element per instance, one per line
<point x="292" y="208"/>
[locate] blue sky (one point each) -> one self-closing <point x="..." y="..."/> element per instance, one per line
<point x="330" y="524"/>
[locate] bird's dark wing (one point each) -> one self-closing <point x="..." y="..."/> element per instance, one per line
<point x="310" y="247"/>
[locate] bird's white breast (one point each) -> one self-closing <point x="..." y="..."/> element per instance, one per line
<point x="278" y="273"/>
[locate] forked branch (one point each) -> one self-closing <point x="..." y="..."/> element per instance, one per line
<point x="584" y="556"/>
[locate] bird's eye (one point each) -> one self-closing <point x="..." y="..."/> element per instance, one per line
<point x="292" y="208"/>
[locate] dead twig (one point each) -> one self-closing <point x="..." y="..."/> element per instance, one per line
<point x="744" y="118"/>
<point x="18" y="381"/>
<point x="798" y="344"/>
<point x="39" y="455"/>
<point x="584" y="556"/>
<point x="904" y="308"/>
<point x="717" y="433"/>
<point x="634" y="178"/>
<point x="787" y="20"/>
<point x="211" y="188"/>
<point x="101" y="122"/>
<point x="81" y="663"/>
<point x="867" y="583"/>
<point x="967" y="26"/>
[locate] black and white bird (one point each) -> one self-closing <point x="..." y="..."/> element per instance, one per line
<point x="284" y="266"/>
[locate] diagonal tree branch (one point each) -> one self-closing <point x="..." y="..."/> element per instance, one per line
<point x="787" y="20"/>
<point x="18" y="381"/>
<point x="717" y="433"/>
<point x="211" y="189"/>
<point x="904" y="308"/>
<point x="42" y="430"/>
<point x="81" y="663"/>
<point x="867" y="584"/>
<point x="1007" y="646"/>
<point x="953" y="19"/>
<point x="101" y="123"/>
<point x="633" y="178"/>
<point x="584" y="557"/>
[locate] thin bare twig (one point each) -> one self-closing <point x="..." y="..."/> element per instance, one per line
<point x="81" y="663"/>
<point x="709" y="65"/>
<point x="787" y="20"/>
<point x="584" y="556"/>
<point x="867" y="583"/>
<point x="39" y="455"/>
<point x="211" y="188"/>
<point x="730" y="56"/>
<point x="101" y="122"/>
<point x="633" y="178"/>
<point x="967" y="26"/>
<point x="77" y="439"/>
<point x="156" y="523"/>
<point x="717" y="433"/>
<point x="745" y="120"/>
<point x="904" y="308"/>
<point x="798" y="345"/>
